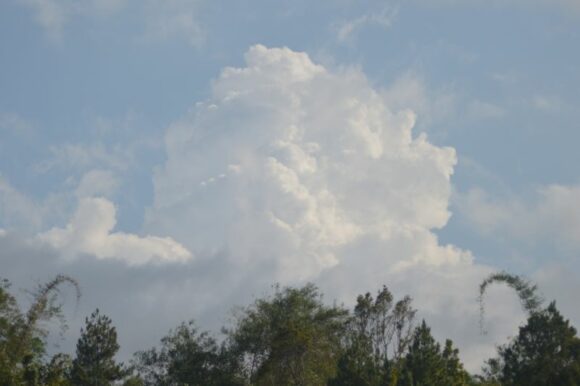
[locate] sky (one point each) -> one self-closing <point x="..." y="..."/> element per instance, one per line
<point x="179" y="157"/>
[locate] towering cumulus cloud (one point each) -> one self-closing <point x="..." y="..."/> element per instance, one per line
<point x="296" y="169"/>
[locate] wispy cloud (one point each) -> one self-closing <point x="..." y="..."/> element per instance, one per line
<point x="170" y="19"/>
<point x="568" y="5"/>
<point x="160" y="19"/>
<point x="383" y="17"/>
<point x="118" y="145"/>
<point x="411" y="91"/>
<point x="54" y="15"/>
<point x="14" y="123"/>
<point x="97" y="182"/>
<point x="478" y="109"/>
<point x="547" y="103"/>
<point x="18" y="211"/>
<point x="552" y="216"/>
<point x="51" y="15"/>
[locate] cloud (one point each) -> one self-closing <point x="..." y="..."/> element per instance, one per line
<point x="309" y="159"/>
<point x="119" y="147"/>
<point x="84" y="156"/>
<point x="90" y="232"/>
<point x="436" y="106"/>
<point x="161" y="19"/>
<point x="547" y="103"/>
<point x="53" y="15"/>
<point x="14" y="123"/>
<point x="23" y="213"/>
<point x="97" y="183"/>
<point x="410" y="91"/>
<point x="17" y="211"/>
<point x="166" y="19"/>
<point x="50" y="14"/>
<point x="573" y="5"/>
<point x="382" y="18"/>
<point x="553" y="215"/>
<point x="484" y="110"/>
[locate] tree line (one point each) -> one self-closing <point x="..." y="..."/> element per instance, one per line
<point x="290" y="337"/>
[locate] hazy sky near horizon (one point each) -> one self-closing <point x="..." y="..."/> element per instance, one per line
<point x="178" y="157"/>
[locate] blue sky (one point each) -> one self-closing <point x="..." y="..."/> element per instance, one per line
<point x="160" y="147"/>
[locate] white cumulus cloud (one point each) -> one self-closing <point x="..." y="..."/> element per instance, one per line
<point x="293" y="164"/>
<point x="90" y="232"/>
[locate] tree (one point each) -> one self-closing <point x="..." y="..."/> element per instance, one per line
<point x="22" y="336"/>
<point x="94" y="364"/>
<point x="426" y="365"/>
<point x="11" y="321"/>
<point x="290" y="338"/>
<point x="455" y="374"/>
<point x="58" y="371"/>
<point x="186" y="357"/>
<point x="423" y="363"/>
<point x="545" y="352"/>
<point x="378" y="334"/>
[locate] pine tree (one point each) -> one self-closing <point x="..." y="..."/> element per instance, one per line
<point x="94" y="364"/>
<point x="423" y="364"/>
<point x="427" y="365"/>
<point x="455" y="374"/>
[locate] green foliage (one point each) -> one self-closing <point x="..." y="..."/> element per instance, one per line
<point x="423" y="363"/>
<point x="526" y="291"/>
<point x="426" y="365"/>
<point x="455" y="374"/>
<point x="22" y="336"/>
<point x="11" y="322"/>
<point x="134" y="381"/>
<point x="186" y="357"/>
<point x="291" y="338"/>
<point x="94" y="364"/>
<point x="58" y="371"/>
<point x="545" y="352"/>
<point x="378" y="334"/>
